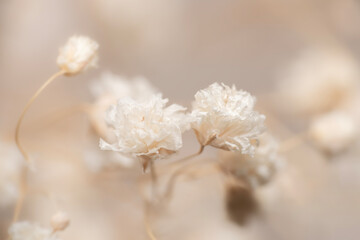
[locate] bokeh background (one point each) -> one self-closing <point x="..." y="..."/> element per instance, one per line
<point x="181" y="47"/>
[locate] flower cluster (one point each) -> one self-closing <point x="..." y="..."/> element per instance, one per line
<point x="224" y="117"/>
<point x="147" y="129"/>
<point x="254" y="171"/>
<point x="78" y="54"/>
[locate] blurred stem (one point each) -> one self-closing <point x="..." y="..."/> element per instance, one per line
<point x="182" y="160"/>
<point x="147" y="224"/>
<point x="293" y="142"/>
<point x="24" y="172"/>
<point x="154" y="179"/>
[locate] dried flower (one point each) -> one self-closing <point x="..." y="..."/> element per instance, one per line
<point x="107" y="90"/>
<point x="224" y="117"/>
<point x="30" y="231"/>
<point x="333" y="132"/>
<point x="319" y="81"/>
<point x="79" y="54"/>
<point x="146" y="129"/>
<point x="10" y="168"/>
<point x="60" y="221"/>
<point x="257" y="170"/>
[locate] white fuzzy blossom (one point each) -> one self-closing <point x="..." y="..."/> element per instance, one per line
<point x="30" y="231"/>
<point x="107" y="90"/>
<point x="146" y="129"/>
<point x="257" y="170"/>
<point x="78" y="54"/>
<point x="10" y="169"/>
<point x="333" y="132"/>
<point x="224" y="117"/>
<point x="319" y="81"/>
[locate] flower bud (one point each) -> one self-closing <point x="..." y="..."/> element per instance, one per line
<point x="78" y="55"/>
<point x="60" y="221"/>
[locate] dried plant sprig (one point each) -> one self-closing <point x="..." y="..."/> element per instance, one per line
<point x="76" y="56"/>
<point x="224" y="118"/>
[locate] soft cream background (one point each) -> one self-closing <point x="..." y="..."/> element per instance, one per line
<point x="181" y="46"/>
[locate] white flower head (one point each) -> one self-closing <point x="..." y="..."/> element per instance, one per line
<point x="78" y="54"/>
<point x="30" y="231"/>
<point x="60" y="221"/>
<point x="333" y="132"/>
<point x="257" y="170"/>
<point x="319" y="81"/>
<point x="224" y="117"/>
<point x="107" y="90"/>
<point x="10" y="170"/>
<point x="146" y="129"/>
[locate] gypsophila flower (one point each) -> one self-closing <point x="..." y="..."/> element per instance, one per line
<point x="107" y="90"/>
<point x="30" y="231"/>
<point x="319" y="81"/>
<point x="78" y="54"/>
<point x="10" y="169"/>
<point x="224" y="117"/>
<point x="257" y="170"/>
<point x="146" y="129"/>
<point x="333" y="132"/>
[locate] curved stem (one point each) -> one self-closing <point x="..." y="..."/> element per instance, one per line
<point x="171" y="182"/>
<point x="23" y="177"/>
<point x="27" y="106"/>
<point x="181" y="160"/>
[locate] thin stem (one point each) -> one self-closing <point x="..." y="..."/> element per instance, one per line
<point x="24" y="172"/>
<point x="171" y="183"/>
<point x="154" y="179"/>
<point x="27" y="106"/>
<point x="182" y="160"/>
<point x="147" y="224"/>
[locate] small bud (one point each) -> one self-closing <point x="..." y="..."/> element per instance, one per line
<point x="333" y="132"/>
<point x="60" y="221"/>
<point x="77" y="55"/>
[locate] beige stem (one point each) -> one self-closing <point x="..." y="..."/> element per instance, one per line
<point x="22" y="182"/>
